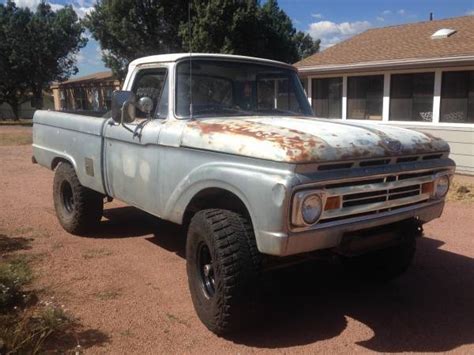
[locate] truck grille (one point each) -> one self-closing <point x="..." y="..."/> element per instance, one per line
<point x="374" y="195"/>
<point x="379" y="196"/>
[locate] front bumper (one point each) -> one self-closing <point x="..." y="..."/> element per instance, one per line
<point x="330" y="235"/>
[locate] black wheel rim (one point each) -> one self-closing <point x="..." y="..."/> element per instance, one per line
<point x="206" y="270"/>
<point x="67" y="197"/>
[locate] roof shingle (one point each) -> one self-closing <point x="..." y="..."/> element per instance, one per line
<point x="410" y="41"/>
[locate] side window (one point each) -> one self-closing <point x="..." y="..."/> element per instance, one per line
<point x="150" y="83"/>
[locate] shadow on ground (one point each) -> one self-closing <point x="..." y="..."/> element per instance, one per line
<point x="429" y="309"/>
<point x="11" y="244"/>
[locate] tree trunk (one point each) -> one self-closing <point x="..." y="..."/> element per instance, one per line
<point x="37" y="98"/>
<point x="15" y="109"/>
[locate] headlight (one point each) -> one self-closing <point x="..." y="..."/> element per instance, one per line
<point x="442" y="186"/>
<point x="311" y="209"/>
<point x="307" y="207"/>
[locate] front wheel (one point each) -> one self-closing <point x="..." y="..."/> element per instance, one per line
<point x="223" y="265"/>
<point x="78" y="208"/>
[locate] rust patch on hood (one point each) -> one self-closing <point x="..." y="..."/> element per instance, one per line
<point x="296" y="144"/>
<point x="304" y="140"/>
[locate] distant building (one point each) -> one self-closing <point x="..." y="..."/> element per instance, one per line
<point x="90" y="93"/>
<point x="418" y="75"/>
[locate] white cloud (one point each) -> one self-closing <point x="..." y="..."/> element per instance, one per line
<point x="31" y="4"/>
<point x="331" y="33"/>
<point x="401" y="12"/>
<point x="386" y="12"/>
<point x="380" y="19"/>
<point x="82" y="7"/>
<point x="470" y="12"/>
<point x="318" y="16"/>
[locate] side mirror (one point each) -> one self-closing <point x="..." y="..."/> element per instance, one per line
<point x="145" y="104"/>
<point x="123" y="106"/>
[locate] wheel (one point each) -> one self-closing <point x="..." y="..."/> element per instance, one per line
<point x="78" y="208"/>
<point x="223" y="266"/>
<point x="385" y="264"/>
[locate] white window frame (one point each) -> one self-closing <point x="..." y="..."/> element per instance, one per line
<point x="438" y="71"/>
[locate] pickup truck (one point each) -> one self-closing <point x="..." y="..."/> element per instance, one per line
<point x="228" y="146"/>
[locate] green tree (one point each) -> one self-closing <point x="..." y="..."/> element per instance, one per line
<point x="35" y="49"/>
<point x="305" y="44"/>
<point x="248" y="28"/>
<point x="129" y="29"/>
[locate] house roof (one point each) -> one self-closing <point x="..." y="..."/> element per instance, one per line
<point x="95" y="77"/>
<point x="395" y="44"/>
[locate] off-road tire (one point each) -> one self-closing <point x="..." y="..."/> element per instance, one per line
<point x="236" y="264"/>
<point x="386" y="264"/>
<point x="78" y="208"/>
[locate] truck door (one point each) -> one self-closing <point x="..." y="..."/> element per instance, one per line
<point x="131" y="150"/>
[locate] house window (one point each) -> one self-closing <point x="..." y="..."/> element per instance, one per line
<point x="411" y="97"/>
<point x="108" y="99"/>
<point x="327" y="97"/>
<point x="365" y="97"/>
<point x="457" y="97"/>
<point x="80" y="98"/>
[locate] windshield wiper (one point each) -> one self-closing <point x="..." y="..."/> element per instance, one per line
<point x="277" y="110"/>
<point x="223" y="110"/>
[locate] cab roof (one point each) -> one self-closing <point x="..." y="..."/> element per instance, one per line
<point x="174" y="57"/>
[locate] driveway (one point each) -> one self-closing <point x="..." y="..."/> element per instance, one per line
<point x="127" y="284"/>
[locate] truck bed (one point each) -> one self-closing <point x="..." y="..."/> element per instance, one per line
<point x="75" y="138"/>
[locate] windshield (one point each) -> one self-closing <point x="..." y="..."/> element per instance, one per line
<point x="229" y="88"/>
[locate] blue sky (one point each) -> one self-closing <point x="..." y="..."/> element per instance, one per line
<point x="329" y="20"/>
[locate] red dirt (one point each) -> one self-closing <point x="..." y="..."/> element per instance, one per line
<point x="127" y="284"/>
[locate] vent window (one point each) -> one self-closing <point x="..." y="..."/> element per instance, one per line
<point x="443" y="33"/>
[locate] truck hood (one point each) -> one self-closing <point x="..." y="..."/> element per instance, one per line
<point x="306" y="140"/>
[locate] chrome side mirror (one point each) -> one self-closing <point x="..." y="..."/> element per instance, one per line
<point x="145" y="104"/>
<point x="123" y="106"/>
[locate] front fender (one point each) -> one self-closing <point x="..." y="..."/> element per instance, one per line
<point x="264" y="192"/>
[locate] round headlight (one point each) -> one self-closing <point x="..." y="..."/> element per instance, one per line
<point x="311" y="209"/>
<point x="442" y="186"/>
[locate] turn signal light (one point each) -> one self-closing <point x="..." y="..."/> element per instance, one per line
<point x="427" y="188"/>
<point x="332" y="203"/>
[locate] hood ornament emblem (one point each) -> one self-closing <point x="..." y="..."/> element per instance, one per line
<point x="393" y="145"/>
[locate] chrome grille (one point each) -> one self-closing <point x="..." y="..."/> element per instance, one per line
<point x="363" y="198"/>
<point x="378" y="194"/>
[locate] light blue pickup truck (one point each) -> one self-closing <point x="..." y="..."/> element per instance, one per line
<point x="229" y="147"/>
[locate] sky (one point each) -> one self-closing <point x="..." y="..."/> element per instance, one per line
<point x="329" y="20"/>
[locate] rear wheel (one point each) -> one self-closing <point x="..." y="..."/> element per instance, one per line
<point x="78" y="208"/>
<point x="223" y="266"/>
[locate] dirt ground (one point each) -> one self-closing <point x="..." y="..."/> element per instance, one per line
<point x="127" y="284"/>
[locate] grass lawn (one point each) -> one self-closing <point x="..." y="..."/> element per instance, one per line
<point x="20" y="122"/>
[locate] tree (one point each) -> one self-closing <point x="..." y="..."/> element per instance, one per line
<point x="306" y="45"/>
<point x="245" y="27"/>
<point x="129" y="29"/>
<point x="13" y="77"/>
<point x="35" y="49"/>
